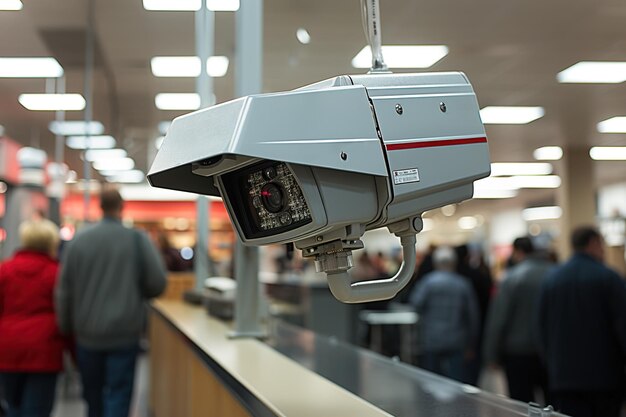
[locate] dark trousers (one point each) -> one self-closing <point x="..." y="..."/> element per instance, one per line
<point x="588" y="403"/>
<point x="29" y="394"/>
<point x="107" y="378"/>
<point x="525" y="373"/>
<point x="448" y="364"/>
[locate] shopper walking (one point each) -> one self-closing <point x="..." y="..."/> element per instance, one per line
<point x="448" y="318"/>
<point x="510" y="338"/>
<point x="108" y="272"/>
<point x="582" y="321"/>
<point x="31" y="345"/>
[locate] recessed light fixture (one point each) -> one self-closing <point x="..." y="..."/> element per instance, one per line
<point x="499" y="169"/>
<point x="223" y="5"/>
<point x="542" y="213"/>
<point x="493" y="194"/>
<point x="172" y="5"/>
<point x="608" y="153"/>
<point x="548" y="153"/>
<point x="594" y="72"/>
<point x="511" y="115"/>
<point x="131" y="176"/>
<point x="118" y="164"/>
<point x="304" y="37"/>
<point x="467" y="222"/>
<point x="177" y="101"/>
<point x="45" y="67"/>
<point x="613" y="125"/>
<point x="95" y="142"/>
<point x="97" y="154"/>
<point x="76" y="128"/>
<point x="175" y="66"/>
<point x="217" y="66"/>
<point x="52" y="102"/>
<point x="11" y="5"/>
<point x="403" y="56"/>
<point x="536" y="181"/>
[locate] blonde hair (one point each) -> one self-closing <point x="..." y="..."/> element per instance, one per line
<point x="39" y="235"/>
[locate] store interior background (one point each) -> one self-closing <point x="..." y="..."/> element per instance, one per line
<point x="511" y="52"/>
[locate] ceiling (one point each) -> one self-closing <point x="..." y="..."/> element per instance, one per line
<point x="511" y="52"/>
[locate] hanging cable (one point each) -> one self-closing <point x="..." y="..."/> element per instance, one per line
<point x="370" y="13"/>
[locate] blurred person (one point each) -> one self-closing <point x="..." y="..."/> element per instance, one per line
<point x="31" y="345"/>
<point x="582" y="322"/>
<point x="510" y="332"/>
<point x="481" y="283"/>
<point x="448" y="317"/>
<point x="108" y="271"/>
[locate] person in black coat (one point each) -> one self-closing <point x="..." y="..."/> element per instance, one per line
<point x="582" y="331"/>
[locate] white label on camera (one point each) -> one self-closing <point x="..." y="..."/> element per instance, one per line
<point x="405" y="176"/>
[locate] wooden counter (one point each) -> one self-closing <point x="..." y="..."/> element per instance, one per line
<point x="196" y="370"/>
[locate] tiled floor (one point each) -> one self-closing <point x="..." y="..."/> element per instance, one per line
<point x="70" y="404"/>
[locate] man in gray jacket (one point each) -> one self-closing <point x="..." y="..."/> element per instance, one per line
<point x="510" y="337"/>
<point x="108" y="272"/>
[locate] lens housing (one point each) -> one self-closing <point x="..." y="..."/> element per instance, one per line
<point x="273" y="197"/>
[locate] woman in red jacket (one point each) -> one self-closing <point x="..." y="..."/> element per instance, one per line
<point x="31" y="346"/>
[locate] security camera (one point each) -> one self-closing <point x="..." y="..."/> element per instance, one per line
<point x="320" y="165"/>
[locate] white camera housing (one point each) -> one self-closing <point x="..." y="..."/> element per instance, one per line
<point x="322" y="164"/>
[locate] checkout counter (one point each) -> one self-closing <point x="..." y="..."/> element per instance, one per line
<point x="197" y="370"/>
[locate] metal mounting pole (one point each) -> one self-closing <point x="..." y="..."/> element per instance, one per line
<point x="89" y="57"/>
<point x="248" y="80"/>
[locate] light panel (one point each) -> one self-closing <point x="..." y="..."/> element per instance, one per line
<point x="132" y="176"/>
<point x="613" y="125"/>
<point x="44" y="67"/>
<point x="537" y="181"/>
<point x="511" y="115"/>
<point x="95" y="142"/>
<point x="217" y="66"/>
<point x="608" y="153"/>
<point x="98" y="154"/>
<point x="52" y="102"/>
<point x="548" y="153"/>
<point x="303" y="36"/>
<point x="403" y="56"/>
<point x="119" y="164"/>
<point x="222" y="5"/>
<point x="12" y="5"/>
<point x="177" y="101"/>
<point x="493" y="194"/>
<point x="594" y="72"/>
<point x="172" y="5"/>
<point x="175" y="66"/>
<point x="499" y="169"/>
<point x="76" y="128"/>
<point x="542" y="213"/>
<point x="467" y="222"/>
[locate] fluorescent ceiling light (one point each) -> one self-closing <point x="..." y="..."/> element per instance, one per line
<point x="95" y="142"/>
<point x="499" y="169"/>
<point x="537" y="181"/>
<point x="594" y="72"/>
<point x="76" y="127"/>
<point x="511" y="115"/>
<point x="217" y="66"/>
<point x="608" y="153"/>
<point x="427" y="225"/>
<point x="132" y="176"/>
<point x="495" y="183"/>
<point x="222" y="5"/>
<point x="52" y="102"/>
<point x="494" y="194"/>
<point x="11" y="5"/>
<point x="542" y="213"/>
<point x="304" y="37"/>
<point x="177" y="101"/>
<point x="163" y="126"/>
<point x="175" y="66"/>
<point x="403" y="56"/>
<point x="467" y="222"/>
<point x="30" y="68"/>
<point x="613" y="125"/>
<point x="97" y="154"/>
<point x="119" y="164"/>
<point x="548" y="153"/>
<point x="172" y="5"/>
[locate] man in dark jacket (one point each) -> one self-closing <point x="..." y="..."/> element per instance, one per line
<point x="108" y="271"/>
<point x="582" y="321"/>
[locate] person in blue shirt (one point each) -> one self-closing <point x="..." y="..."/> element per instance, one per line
<point x="448" y="318"/>
<point x="582" y="331"/>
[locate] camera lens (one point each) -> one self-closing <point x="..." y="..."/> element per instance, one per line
<point x="269" y="173"/>
<point x="272" y="197"/>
